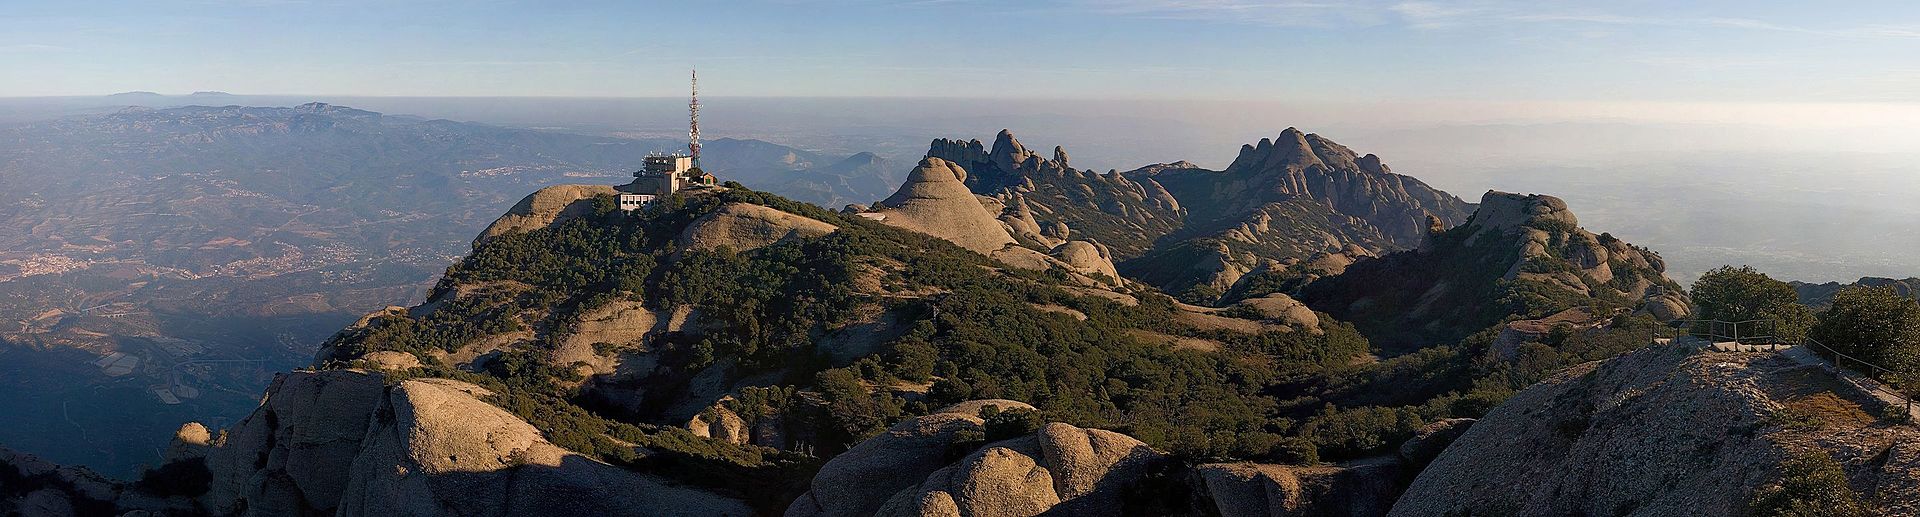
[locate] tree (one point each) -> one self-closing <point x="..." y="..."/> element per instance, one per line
<point x="1874" y="324"/>
<point x="1741" y="294"/>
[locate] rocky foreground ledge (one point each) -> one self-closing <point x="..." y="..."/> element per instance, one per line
<point x="1668" y="430"/>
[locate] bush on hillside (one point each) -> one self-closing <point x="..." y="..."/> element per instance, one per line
<point x="1874" y="324"/>
<point x="1810" y="485"/>
<point x="1744" y="294"/>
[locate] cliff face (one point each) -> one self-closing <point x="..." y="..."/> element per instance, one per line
<point x="1666" y="430"/>
<point x="1286" y="202"/>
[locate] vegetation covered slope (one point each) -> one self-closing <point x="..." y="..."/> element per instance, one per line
<point x="731" y="341"/>
<point x="820" y="342"/>
<point x="1518" y="256"/>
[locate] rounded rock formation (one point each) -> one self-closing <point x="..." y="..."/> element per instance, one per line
<point x="1087" y="258"/>
<point x="1059" y="469"/>
<point x="746" y="226"/>
<point x="439" y="450"/>
<point x="935" y="201"/>
<point x="544" y="208"/>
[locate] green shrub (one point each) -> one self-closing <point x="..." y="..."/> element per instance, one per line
<point x="1874" y="324"/>
<point x="1811" y="485"/>
<point x="188" y="477"/>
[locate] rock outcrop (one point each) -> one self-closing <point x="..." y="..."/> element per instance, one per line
<point x="1821" y="295"/>
<point x="1045" y="198"/>
<point x="746" y="226"/>
<point x="436" y="449"/>
<point x="34" y="487"/>
<point x="1284" y="309"/>
<point x="1431" y="440"/>
<point x="1666" y="430"/>
<point x="1087" y="258"/>
<point x="291" y="456"/>
<point x="935" y="201"/>
<point x="545" y="207"/>
<point x="1261" y="490"/>
<point x="909" y="471"/>
<point x="1060" y="469"/>
<point x="1516" y="248"/>
<point x="341" y="442"/>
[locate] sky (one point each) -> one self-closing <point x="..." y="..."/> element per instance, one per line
<point x="1629" y="51"/>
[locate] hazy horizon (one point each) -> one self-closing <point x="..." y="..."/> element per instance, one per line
<point x="1778" y="101"/>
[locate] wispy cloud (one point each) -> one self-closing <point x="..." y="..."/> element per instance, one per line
<point x="32" y="47"/>
<point x="1299" y="13"/>
<point x="1441" y="14"/>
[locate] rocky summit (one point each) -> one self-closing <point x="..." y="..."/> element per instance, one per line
<point x="1283" y="204"/>
<point x="1045" y="201"/>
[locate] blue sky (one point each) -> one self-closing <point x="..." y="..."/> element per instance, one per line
<point x="1299" y="50"/>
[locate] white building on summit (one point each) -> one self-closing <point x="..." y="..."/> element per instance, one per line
<point x="665" y="174"/>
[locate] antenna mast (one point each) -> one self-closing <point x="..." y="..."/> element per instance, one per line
<point x="693" y="115"/>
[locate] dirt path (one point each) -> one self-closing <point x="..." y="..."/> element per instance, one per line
<point x="1802" y="355"/>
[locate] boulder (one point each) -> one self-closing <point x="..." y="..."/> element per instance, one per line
<point x="1087" y="258"/>
<point x="1667" y="306"/>
<point x="1061" y="469"/>
<point x="1247" y="489"/>
<point x="192" y="440"/>
<point x="1284" y="309"/>
<point x="1430" y="440"/>
<point x="392" y="360"/>
<point x="746" y="226"/>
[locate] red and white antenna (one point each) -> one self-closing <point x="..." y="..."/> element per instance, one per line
<point x="693" y="115"/>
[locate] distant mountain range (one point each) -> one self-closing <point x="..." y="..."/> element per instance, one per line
<point x="1284" y="203"/>
<point x="1820" y="295"/>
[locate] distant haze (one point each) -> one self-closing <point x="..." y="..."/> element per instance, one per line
<point x="1806" y="191"/>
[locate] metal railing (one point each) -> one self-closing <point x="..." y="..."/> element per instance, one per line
<point x="1758" y="333"/>
<point x="1879" y="376"/>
